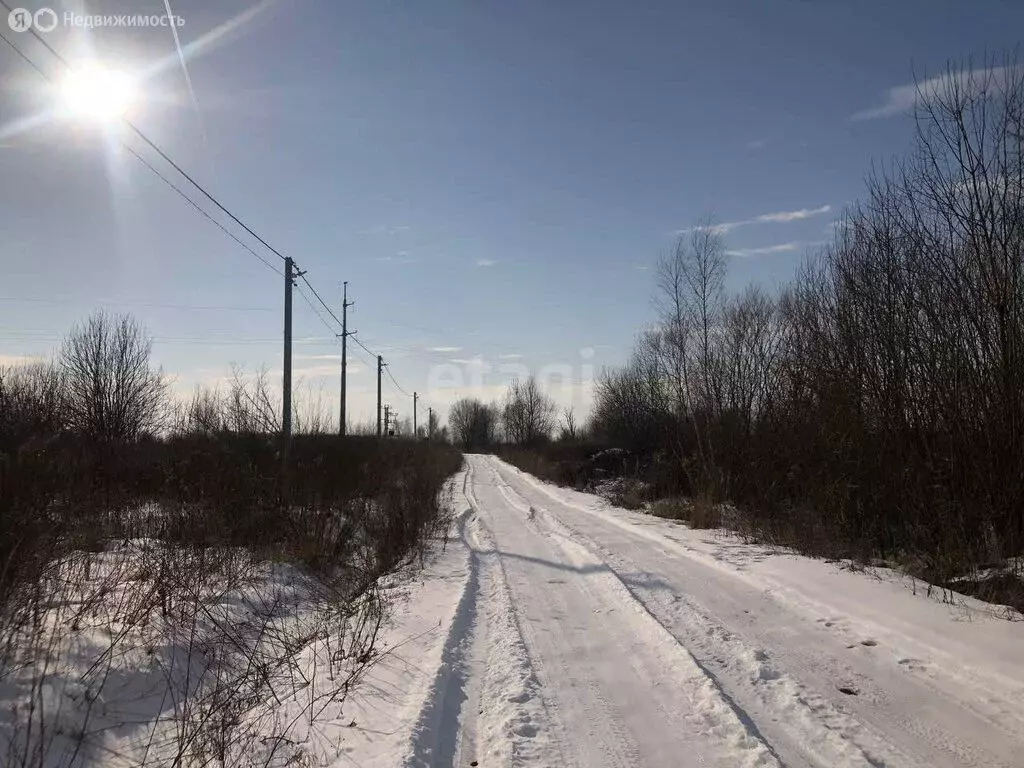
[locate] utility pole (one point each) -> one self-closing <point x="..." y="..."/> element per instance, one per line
<point x="430" y="422"/>
<point x="286" y="405"/>
<point x="380" y="369"/>
<point x="415" y="432"/>
<point x="387" y="420"/>
<point x="290" y="275"/>
<point x="345" y="304"/>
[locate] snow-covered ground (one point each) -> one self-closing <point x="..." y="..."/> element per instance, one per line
<point x="557" y="630"/>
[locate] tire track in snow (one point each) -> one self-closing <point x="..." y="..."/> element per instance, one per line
<point x="863" y="731"/>
<point x="513" y="727"/>
<point x="830" y="737"/>
<point x="435" y="737"/>
<point x="605" y="732"/>
<point x="692" y="709"/>
<point x="484" y="701"/>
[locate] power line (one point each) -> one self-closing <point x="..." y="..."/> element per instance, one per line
<point x="368" y="363"/>
<point x="327" y="325"/>
<point x="209" y="196"/>
<point x="365" y="348"/>
<point x="147" y="164"/>
<point x="322" y="302"/>
<point x="195" y="205"/>
<point x="156" y="148"/>
<point x="316" y="312"/>
<point x="354" y="338"/>
<point x="22" y="55"/>
<point x="397" y="385"/>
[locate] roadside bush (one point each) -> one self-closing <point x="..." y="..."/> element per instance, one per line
<point x="219" y="606"/>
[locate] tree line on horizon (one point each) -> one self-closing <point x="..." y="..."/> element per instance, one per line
<point x="873" y="407"/>
<point x="878" y="399"/>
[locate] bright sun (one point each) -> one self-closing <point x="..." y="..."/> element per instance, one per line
<point x="97" y="93"/>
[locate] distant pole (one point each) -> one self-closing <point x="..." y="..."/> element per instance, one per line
<point x="345" y="304"/>
<point x="286" y="405"/>
<point x="387" y="419"/>
<point x="430" y="422"/>
<point x="380" y="368"/>
<point x="415" y="432"/>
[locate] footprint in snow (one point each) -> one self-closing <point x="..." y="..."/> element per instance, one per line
<point x="869" y="642"/>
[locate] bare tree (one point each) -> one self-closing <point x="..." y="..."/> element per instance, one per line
<point x="474" y="424"/>
<point x="112" y="392"/>
<point x="690" y="283"/>
<point x="528" y="414"/>
<point x="569" y="428"/>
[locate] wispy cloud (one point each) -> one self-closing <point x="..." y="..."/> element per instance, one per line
<point x="787" y="216"/>
<point x="902" y="98"/>
<point x="779" y="217"/>
<point x="766" y="250"/>
<point x="757" y="144"/>
<point x="318" y="357"/>
<point x="485" y="262"/>
<point x="444" y="349"/>
<point x="794" y="245"/>
<point x="780" y="248"/>
<point x="511" y="356"/>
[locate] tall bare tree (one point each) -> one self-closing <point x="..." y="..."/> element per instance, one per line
<point x="474" y="425"/>
<point x="690" y="284"/>
<point x="569" y="427"/>
<point x="528" y="414"/>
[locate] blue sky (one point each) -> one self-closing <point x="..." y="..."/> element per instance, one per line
<point x="493" y="179"/>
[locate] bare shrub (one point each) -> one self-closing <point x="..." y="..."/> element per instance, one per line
<point x="111" y="392"/>
<point x="674" y="508"/>
<point x="159" y="604"/>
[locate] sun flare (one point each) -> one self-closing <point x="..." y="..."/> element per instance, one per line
<point x="97" y="93"/>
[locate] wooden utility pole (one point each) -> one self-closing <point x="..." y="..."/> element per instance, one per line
<point x="345" y="304"/>
<point x="415" y="431"/>
<point x="286" y="405"/>
<point x="290" y="275"/>
<point x="430" y="423"/>
<point x="380" y="369"/>
<point x="387" y="420"/>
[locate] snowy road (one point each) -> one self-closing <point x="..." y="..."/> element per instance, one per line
<point x="586" y="635"/>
